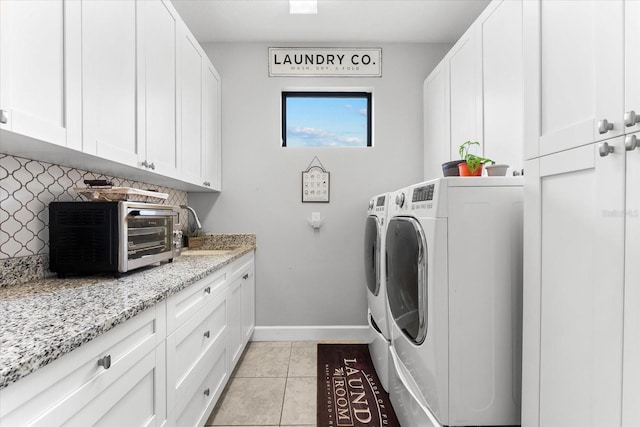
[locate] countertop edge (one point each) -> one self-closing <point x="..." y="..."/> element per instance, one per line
<point x="46" y="355"/>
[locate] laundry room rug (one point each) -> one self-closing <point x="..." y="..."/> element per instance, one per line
<point x="349" y="391"/>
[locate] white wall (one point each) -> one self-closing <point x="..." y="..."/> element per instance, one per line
<point x="307" y="277"/>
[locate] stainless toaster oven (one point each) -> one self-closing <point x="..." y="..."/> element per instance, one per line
<point x="110" y="237"/>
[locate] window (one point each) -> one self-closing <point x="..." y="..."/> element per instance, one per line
<point x="326" y="119"/>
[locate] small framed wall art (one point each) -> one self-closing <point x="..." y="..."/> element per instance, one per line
<point x="315" y="183"/>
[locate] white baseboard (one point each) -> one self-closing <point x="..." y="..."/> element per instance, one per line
<point x="311" y="333"/>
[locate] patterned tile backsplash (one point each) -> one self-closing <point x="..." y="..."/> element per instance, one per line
<point x="26" y="189"/>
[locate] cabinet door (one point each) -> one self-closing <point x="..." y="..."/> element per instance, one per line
<point x="132" y="400"/>
<point x="632" y="64"/>
<point x="234" y="322"/>
<point x="109" y="80"/>
<point x="157" y="89"/>
<point x="39" y="66"/>
<point x="436" y="129"/>
<point x="500" y="29"/>
<point x="190" y="126"/>
<point x="465" y="91"/>
<point x="573" y="73"/>
<point x="211" y="127"/>
<point x="631" y="379"/>
<point x="573" y="292"/>
<point x="248" y="304"/>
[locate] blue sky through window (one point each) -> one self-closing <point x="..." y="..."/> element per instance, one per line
<point x="322" y="120"/>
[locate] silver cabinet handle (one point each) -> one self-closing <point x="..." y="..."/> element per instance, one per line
<point x="245" y="276"/>
<point x="105" y="361"/>
<point x="3" y="117"/>
<point x="604" y="126"/>
<point x="605" y="149"/>
<point x="207" y="334"/>
<point x="631" y="142"/>
<point x="152" y="166"/>
<point x="207" y="290"/>
<point x="207" y="392"/>
<point x="631" y="118"/>
<point x="206" y="184"/>
<point x="144" y="164"/>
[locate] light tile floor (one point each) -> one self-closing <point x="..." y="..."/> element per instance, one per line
<point x="274" y="384"/>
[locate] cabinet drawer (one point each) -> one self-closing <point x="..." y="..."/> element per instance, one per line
<point x="53" y="394"/>
<point x="191" y="341"/>
<point x="184" y="304"/>
<point x="198" y="393"/>
<point x="241" y="266"/>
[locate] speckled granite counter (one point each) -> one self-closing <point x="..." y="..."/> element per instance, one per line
<point x="45" y="319"/>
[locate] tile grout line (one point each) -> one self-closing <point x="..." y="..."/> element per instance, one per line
<point x="286" y="381"/>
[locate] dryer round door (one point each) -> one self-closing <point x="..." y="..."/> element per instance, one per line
<point x="372" y="254"/>
<point x="406" y="256"/>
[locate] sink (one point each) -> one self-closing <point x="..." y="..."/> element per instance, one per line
<point x="194" y="252"/>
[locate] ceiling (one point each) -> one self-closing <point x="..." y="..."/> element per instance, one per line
<point x="390" y="21"/>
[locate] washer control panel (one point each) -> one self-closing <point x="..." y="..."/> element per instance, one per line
<point x="422" y="197"/>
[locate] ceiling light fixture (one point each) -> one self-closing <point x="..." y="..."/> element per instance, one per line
<point x="303" y="7"/>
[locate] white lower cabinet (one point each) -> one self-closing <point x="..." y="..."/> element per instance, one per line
<point x="574" y="287"/>
<point x="116" y="379"/>
<point x="166" y="366"/>
<point x="206" y="338"/>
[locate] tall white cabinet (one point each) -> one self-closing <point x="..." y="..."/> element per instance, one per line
<point x="475" y="92"/>
<point x="581" y="342"/>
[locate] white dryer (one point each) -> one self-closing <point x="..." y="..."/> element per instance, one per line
<point x="454" y="288"/>
<point x="374" y="264"/>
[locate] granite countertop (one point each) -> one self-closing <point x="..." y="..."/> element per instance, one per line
<point x="45" y="319"/>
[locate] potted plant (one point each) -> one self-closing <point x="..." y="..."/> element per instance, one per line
<point x="194" y="237"/>
<point x="472" y="165"/>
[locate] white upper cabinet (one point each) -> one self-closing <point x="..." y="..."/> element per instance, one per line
<point x="436" y="128"/>
<point x="157" y="87"/>
<point x="500" y="28"/>
<point x="632" y="66"/>
<point x="39" y="70"/>
<point x="463" y="63"/>
<point x="573" y="73"/>
<point x="109" y="80"/>
<point x="475" y="93"/>
<point x="211" y="128"/>
<point x="191" y="108"/>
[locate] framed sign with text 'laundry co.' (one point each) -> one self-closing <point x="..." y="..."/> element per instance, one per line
<point x="325" y="62"/>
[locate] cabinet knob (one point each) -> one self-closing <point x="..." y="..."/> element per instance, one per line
<point x="206" y="184"/>
<point x="207" y="290"/>
<point x="631" y="118"/>
<point x="152" y="166"/>
<point x="206" y="392"/>
<point x="245" y="276"/>
<point x="605" y="149"/>
<point x="105" y="361"/>
<point x="604" y="126"/>
<point x="144" y="164"/>
<point x="631" y="142"/>
<point x="3" y="117"/>
<point x="207" y="334"/>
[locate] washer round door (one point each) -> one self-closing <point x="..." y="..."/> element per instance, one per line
<point x="372" y="254"/>
<point x="406" y="255"/>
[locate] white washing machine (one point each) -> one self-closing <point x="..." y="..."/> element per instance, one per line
<point x="374" y="264"/>
<point x="454" y="289"/>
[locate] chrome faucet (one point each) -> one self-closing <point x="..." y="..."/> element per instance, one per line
<point x="195" y="215"/>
